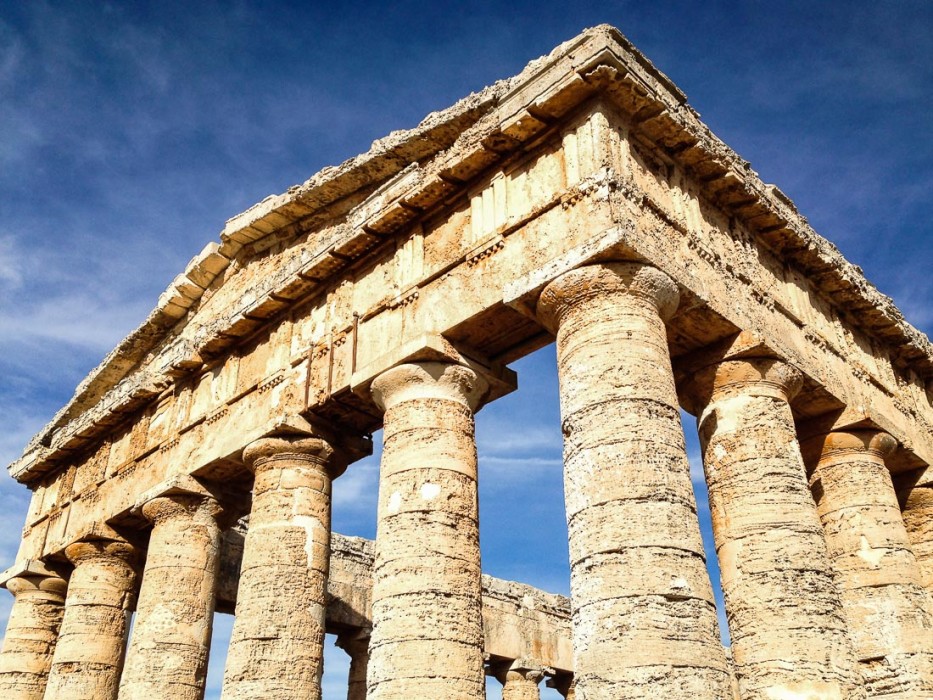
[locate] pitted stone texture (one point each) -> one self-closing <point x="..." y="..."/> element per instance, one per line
<point x="644" y="616"/>
<point x="890" y="622"/>
<point x="918" y="518"/>
<point x="784" y="610"/>
<point x="31" y="634"/>
<point x="427" y="638"/>
<point x="168" y="650"/>
<point x="277" y="645"/>
<point x="89" y="655"/>
<point x="356" y="644"/>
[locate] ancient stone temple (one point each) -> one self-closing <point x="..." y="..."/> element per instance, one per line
<point x="581" y="202"/>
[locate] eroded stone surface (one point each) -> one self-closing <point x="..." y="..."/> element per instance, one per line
<point x="918" y="518"/>
<point x="785" y="616"/>
<point x="427" y="638"/>
<point x="88" y="658"/>
<point x="888" y="611"/>
<point x="644" y="618"/>
<point x="277" y="645"/>
<point x="436" y="246"/>
<point x="171" y="639"/>
<point x="31" y="634"/>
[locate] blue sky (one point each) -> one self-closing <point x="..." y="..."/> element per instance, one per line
<point x="130" y="131"/>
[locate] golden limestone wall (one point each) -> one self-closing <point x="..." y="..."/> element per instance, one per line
<point x="581" y="201"/>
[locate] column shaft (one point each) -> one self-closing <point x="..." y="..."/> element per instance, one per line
<point x="644" y="616"/>
<point x="171" y="638"/>
<point x="88" y="659"/>
<point x="356" y="644"/>
<point x="427" y="638"/>
<point x="785" y="615"/>
<point x="918" y="519"/>
<point x="886" y="606"/>
<point x="277" y="645"/>
<point x="31" y="634"/>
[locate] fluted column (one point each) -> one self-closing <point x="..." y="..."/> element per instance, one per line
<point x="356" y="644"/>
<point x="277" y="645"/>
<point x="427" y="638"/>
<point x="520" y="680"/>
<point x="31" y="633"/>
<point x="917" y="500"/>
<point x="644" y="616"/>
<point x="784" y="609"/>
<point x="88" y="659"/>
<point x="886" y="606"/>
<point x="171" y="638"/>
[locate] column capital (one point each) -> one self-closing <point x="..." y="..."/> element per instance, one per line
<point x="49" y="585"/>
<point x="519" y="670"/>
<point x="746" y="376"/>
<point x="178" y="496"/>
<point x="842" y="444"/>
<point x="429" y="380"/>
<point x="354" y="641"/>
<point x="563" y="683"/>
<point x="36" y="569"/>
<point x="592" y="281"/>
<point x="308" y="448"/>
<point x="86" y="549"/>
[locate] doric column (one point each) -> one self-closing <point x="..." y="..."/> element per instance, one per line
<point x="784" y="609"/>
<point x="886" y="606"/>
<point x="917" y="501"/>
<point x="277" y="645"/>
<point x="519" y="680"/>
<point x="356" y="644"/>
<point x="427" y="638"/>
<point x="31" y="631"/>
<point x="167" y="656"/>
<point x="89" y="656"/>
<point x="644" y="616"/>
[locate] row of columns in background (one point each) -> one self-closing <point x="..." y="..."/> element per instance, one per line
<point x="824" y="594"/>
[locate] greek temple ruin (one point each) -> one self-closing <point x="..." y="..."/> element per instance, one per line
<point x="581" y="202"/>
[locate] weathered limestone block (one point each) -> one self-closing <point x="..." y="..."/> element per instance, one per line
<point x="520" y="680"/>
<point x="277" y="645"/>
<point x="644" y="616"/>
<point x="784" y="610"/>
<point x="427" y="639"/>
<point x="89" y="655"/>
<point x="167" y="656"/>
<point x="31" y="633"/>
<point x="890" y="621"/>
<point x="356" y="644"/>
<point x="918" y="518"/>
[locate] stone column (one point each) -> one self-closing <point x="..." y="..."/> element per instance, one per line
<point x="89" y="656"/>
<point x="784" y="609"/>
<point x="356" y="644"/>
<point x="31" y="632"/>
<point x="167" y="656"/>
<point x="519" y="680"/>
<point x="890" y="623"/>
<point x="427" y="638"/>
<point x="565" y="684"/>
<point x="644" y="616"/>
<point x="277" y="645"/>
<point x="917" y="500"/>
